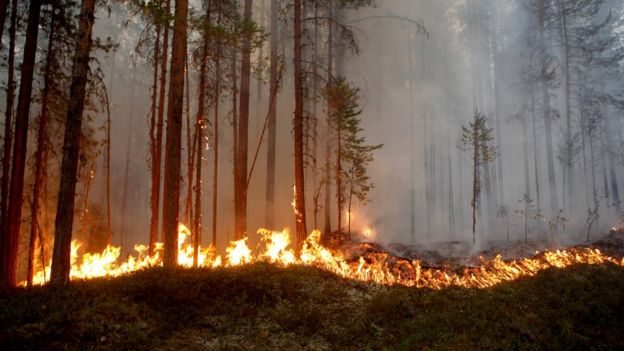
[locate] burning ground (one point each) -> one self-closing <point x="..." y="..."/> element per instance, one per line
<point x="272" y="306"/>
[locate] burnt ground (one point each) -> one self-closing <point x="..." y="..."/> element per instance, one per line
<point x="262" y="307"/>
<point x="456" y="254"/>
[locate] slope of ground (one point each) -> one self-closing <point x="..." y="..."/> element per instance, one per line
<point x="262" y="307"/>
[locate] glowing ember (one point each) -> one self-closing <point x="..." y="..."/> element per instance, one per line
<point x="275" y="248"/>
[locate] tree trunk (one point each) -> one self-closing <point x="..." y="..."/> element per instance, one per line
<point x="328" y="148"/>
<point x="272" y="123"/>
<point x="240" y="182"/>
<point x="3" y="11"/>
<point x="535" y="151"/>
<point x="161" y="107"/>
<point x="217" y="97"/>
<point x="190" y="148"/>
<point x="233" y="73"/>
<point x="475" y="191"/>
<point x="215" y="179"/>
<point x="199" y="135"/>
<point x="11" y="231"/>
<point x="568" y="169"/>
<point x="300" y="210"/>
<point x="124" y="198"/>
<point x="412" y="139"/>
<point x="554" y="204"/>
<point x="155" y="163"/>
<point x="8" y="128"/>
<point x="175" y="107"/>
<point x="107" y="162"/>
<point x="41" y="149"/>
<point x="71" y="147"/>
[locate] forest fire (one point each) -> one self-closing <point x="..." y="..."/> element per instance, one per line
<point x="275" y="247"/>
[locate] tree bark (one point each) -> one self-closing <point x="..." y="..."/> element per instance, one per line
<point x="240" y="183"/>
<point x="161" y="106"/>
<point x="155" y="163"/>
<point x="171" y="194"/>
<point x="71" y="147"/>
<point x="11" y="231"/>
<point x="328" y="158"/>
<point x="41" y="149"/>
<point x="300" y="210"/>
<point x="272" y="123"/>
<point x="8" y="127"/>
<point x="199" y="133"/>
<point x="4" y="4"/>
<point x="554" y="203"/>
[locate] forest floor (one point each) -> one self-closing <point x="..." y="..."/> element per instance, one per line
<point x="263" y="307"/>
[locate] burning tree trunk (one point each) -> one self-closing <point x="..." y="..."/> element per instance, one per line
<point x="11" y="231"/>
<point x="8" y="126"/>
<point x="240" y="182"/>
<point x="300" y="210"/>
<point x="41" y="149"/>
<point x="71" y="147"/>
<point x="171" y="198"/>
<point x="272" y="123"/>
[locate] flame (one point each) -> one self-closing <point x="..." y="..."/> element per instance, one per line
<point x="275" y="248"/>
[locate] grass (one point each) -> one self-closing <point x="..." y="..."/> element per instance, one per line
<point x="261" y="307"/>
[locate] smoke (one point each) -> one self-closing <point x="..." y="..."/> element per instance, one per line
<point x="420" y="174"/>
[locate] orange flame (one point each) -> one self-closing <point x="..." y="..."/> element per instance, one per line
<point x="275" y="248"/>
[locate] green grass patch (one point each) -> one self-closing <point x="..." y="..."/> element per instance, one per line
<point x="262" y="307"/>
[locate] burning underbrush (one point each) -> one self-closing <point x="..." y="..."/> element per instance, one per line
<point x="367" y="262"/>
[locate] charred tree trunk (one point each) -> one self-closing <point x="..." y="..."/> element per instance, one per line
<point x="240" y="182"/>
<point x="175" y="107"/>
<point x="71" y="147"/>
<point x="300" y="210"/>
<point x="272" y="123"/>
<point x="11" y="231"/>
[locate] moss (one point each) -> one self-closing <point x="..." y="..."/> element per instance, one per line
<point x="261" y="307"/>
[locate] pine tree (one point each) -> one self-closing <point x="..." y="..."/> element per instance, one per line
<point x="353" y="155"/>
<point x="477" y="139"/>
